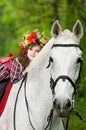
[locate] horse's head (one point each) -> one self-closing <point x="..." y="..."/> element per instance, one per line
<point x="65" y="59"/>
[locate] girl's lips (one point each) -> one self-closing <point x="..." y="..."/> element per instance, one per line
<point x="32" y="55"/>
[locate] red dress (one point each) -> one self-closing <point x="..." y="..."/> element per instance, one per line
<point x="15" y="74"/>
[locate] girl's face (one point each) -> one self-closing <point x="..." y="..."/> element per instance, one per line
<point x="33" y="52"/>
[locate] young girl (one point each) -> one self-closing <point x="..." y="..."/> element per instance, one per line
<point x="29" y="49"/>
<point x="19" y="64"/>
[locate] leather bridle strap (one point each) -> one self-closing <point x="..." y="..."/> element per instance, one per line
<point x="15" y="105"/>
<point x="49" y="118"/>
<point x="66" y="45"/>
<point x="64" y="77"/>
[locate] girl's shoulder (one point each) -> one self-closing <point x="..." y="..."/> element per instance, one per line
<point x="2" y="65"/>
<point x="7" y="59"/>
<point x="16" y="60"/>
<point x="16" y="63"/>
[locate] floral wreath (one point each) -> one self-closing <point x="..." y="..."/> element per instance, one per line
<point x="33" y="37"/>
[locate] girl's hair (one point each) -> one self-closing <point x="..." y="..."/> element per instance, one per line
<point x="23" y="59"/>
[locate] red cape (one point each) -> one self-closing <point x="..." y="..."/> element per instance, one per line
<point x="5" y="97"/>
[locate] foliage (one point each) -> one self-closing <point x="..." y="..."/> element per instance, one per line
<point x="17" y="17"/>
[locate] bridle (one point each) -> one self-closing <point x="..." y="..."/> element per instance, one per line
<point x="64" y="77"/>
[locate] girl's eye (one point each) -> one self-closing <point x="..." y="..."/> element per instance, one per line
<point x="37" y="51"/>
<point x="30" y="48"/>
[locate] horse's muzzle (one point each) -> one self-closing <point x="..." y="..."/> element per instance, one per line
<point x="62" y="110"/>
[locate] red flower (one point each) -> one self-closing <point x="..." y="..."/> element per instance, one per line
<point x="32" y="37"/>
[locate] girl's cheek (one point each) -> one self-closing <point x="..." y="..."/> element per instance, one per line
<point x="36" y="53"/>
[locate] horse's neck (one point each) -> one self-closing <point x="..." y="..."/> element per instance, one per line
<point x="38" y="81"/>
<point x="38" y="87"/>
<point x="39" y="94"/>
<point x="39" y="99"/>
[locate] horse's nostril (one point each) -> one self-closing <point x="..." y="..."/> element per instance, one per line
<point x="54" y="103"/>
<point x="68" y="104"/>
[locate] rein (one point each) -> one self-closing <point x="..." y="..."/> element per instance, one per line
<point x="14" y="114"/>
<point x="49" y="118"/>
<point x="75" y="112"/>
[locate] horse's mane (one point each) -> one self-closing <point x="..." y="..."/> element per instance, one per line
<point x="67" y="33"/>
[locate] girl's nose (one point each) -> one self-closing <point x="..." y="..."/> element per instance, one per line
<point x="33" y="52"/>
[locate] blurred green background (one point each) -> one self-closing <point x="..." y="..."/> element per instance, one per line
<point x="20" y="16"/>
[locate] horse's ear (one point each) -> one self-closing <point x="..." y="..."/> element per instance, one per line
<point x="78" y="29"/>
<point x="56" y="29"/>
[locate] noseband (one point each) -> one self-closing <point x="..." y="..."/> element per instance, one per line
<point x="64" y="77"/>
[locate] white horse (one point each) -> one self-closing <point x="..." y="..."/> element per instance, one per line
<point x="51" y="83"/>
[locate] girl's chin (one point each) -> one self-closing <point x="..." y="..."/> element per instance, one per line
<point x="31" y="58"/>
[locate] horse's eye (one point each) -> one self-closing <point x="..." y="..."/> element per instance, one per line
<point x="50" y="60"/>
<point x="79" y="60"/>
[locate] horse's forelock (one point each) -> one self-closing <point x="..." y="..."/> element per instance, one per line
<point x="67" y="36"/>
<point x="67" y="33"/>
